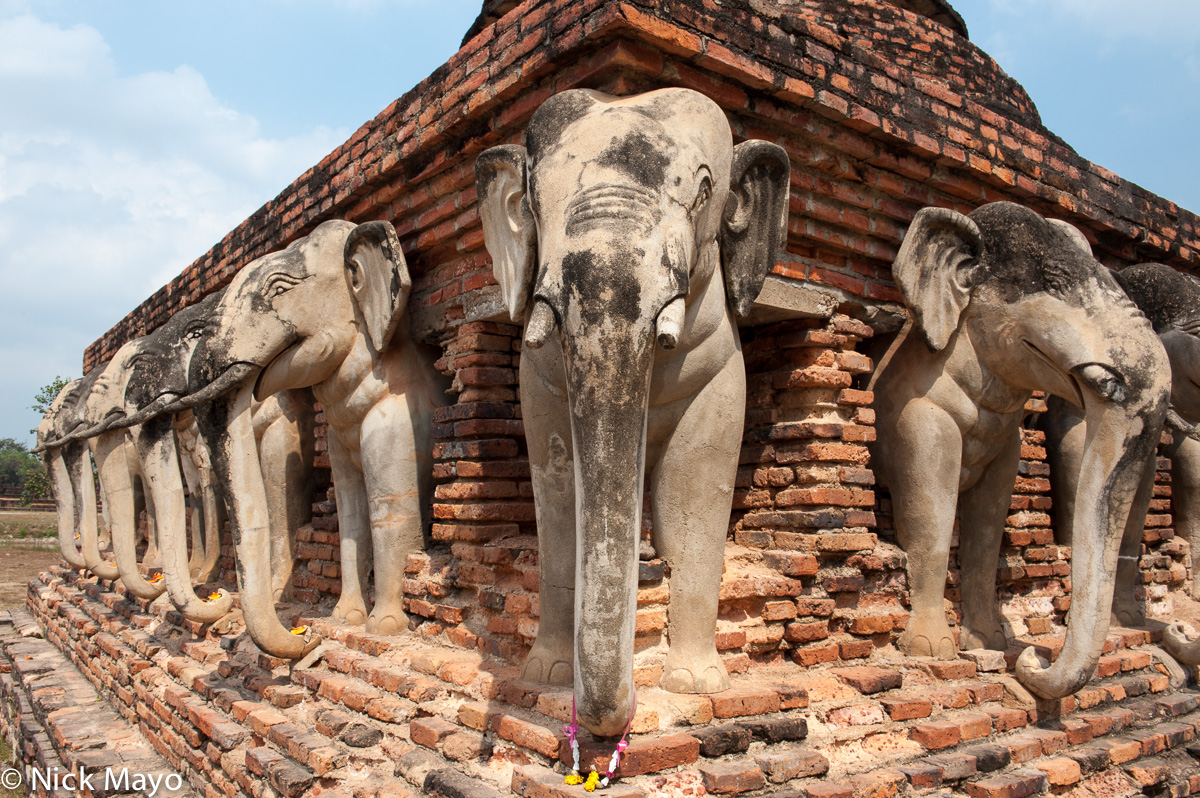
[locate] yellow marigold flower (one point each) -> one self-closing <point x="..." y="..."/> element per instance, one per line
<point x="592" y="780"/>
<point x="574" y="778"/>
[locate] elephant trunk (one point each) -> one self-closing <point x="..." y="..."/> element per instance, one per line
<point x="228" y="429"/>
<point x="160" y="464"/>
<point x="1122" y="430"/>
<point x="1177" y="644"/>
<point x="89" y="532"/>
<point x="65" y="504"/>
<point x="608" y="374"/>
<point x="113" y="464"/>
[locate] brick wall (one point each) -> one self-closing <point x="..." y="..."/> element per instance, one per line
<point x="882" y="112"/>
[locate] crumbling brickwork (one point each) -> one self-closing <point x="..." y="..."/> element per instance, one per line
<point x="882" y="112"/>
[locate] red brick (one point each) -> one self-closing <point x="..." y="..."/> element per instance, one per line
<point x="829" y="789"/>
<point x="1060" y="771"/>
<point x="1148" y="772"/>
<point x="907" y="708"/>
<point x="430" y="731"/>
<point x="972" y="727"/>
<point x="1017" y="784"/>
<point x="644" y="754"/>
<point x="731" y="777"/>
<point x="526" y="734"/>
<point x="880" y="784"/>
<point x="869" y="680"/>
<point x="936" y="735"/>
<point x="741" y="701"/>
<point x="952" y="669"/>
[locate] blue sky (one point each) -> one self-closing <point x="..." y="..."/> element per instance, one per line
<point x="134" y="135"/>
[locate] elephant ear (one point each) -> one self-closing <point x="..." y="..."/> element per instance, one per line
<point x="378" y="279"/>
<point x="1075" y="234"/>
<point x="936" y="269"/>
<point x="509" y="232"/>
<point x="754" y="224"/>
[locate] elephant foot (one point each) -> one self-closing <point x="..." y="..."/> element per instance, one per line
<point x="1128" y="612"/>
<point x="989" y="636"/>
<point x="546" y="666"/>
<point x="386" y="623"/>
<point x="350" y="613"/>
<point x="928" y="639"/>
<point x="694" y="674"/>
<point x="225" y="624"/>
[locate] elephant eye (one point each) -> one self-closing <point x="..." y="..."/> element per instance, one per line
<point x="280" y="284"/>
<point x="702" y="195"/>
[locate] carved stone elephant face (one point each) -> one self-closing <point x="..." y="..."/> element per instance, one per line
<point x="1171" y="301"/>
<point x="293" y="313"/>
<point x="626" y="234"/>
<point x="1038" y="310"/>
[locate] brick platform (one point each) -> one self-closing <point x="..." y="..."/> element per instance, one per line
<point x="395" y="716"/>
<point x="55" y="722"/>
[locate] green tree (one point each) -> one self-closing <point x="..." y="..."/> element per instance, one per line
<point x="16" y="463"/>
<point x="32" y="477"/>
<point x="46" y="396"/>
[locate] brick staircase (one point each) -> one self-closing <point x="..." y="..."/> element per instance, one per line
<point x="395" y="716"/>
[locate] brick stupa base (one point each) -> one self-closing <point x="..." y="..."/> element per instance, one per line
<point x="403" y="715"/>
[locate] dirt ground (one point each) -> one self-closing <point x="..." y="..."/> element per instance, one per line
<point x="27" y="547"/>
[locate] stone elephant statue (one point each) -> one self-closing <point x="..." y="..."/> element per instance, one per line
<point x="1003" y="302"/>
<point x="116" y="415"/>
<point x="627" y="234"/>
<point x="1171" y="301"/>
<point x="64" y="463"/>
<point x="326" y="313"/>
<point x="143" y="397"/>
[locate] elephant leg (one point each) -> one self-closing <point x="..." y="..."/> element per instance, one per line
<point x="152" y="558"/>
<point x="1065" y="437"/>
<point x="354" y="534"/>
<point x="213" y="524"/>
<point x="691" y="492"/>
<point x="280" y="449"/>
<point x="393" y="487"/>
<point x="1185" y="498"/>
<point x="195" y="513"/>
<point x="923" y="507"/>
<point x="982" y="510"/>
<point x="1127" y="609"/>
<point x="552" y="469"/>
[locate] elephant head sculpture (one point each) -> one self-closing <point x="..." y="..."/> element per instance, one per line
<point x="1004" y="302"/>
<point x="148" y="373"/>
<point x="325" y="313"/>
<point x="626" y="235"/>
<point x="1171" y="301"/>
<point x="69" y="499"/>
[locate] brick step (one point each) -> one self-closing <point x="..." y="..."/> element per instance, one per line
<point x="203" y="720"/>
<point x="56" y="716"/>
<point x="442" y="714"/>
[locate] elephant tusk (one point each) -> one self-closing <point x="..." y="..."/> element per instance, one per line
<point x="541" y="324"/>
<point x="670" y="323"/>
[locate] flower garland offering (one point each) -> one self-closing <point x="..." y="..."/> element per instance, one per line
<point x="594" y="779"/>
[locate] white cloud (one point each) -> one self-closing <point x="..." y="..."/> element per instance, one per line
<point x="1169" y="21"/>
<point x="109" y="186"/>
